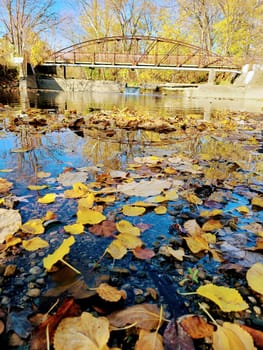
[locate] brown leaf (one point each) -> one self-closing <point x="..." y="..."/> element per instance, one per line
<point x="175" y="338"/>
<point x="146" y="316"/>
<point x="105" y="229"/>
<point x="68" y="309"/>
<point x="109" y="293"/>
<point x="143" y="253"/>
<point x="196" y="326"/>
<point x="5" y="185"/>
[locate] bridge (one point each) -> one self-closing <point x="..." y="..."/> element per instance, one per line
<point x="141" y="52"/>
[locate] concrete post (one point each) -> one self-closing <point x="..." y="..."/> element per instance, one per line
<point x="211" y="77"/>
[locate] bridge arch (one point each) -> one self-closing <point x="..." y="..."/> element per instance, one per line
<point x="139" y="51"/>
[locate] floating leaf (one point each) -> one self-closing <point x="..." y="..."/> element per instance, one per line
<point x="5" y="185"/>
<point x="231" y="336"/>
<point x="59" y="253"/>
<point x="74" y="229"/>
<point x="105" y="229"/>
<point x="117" y="249"/>
<point x="192" y="227"/>
<point x="83" y="332"/>
<point x="36" y="187"/>
<point x="34" y="244"/>
<point x="177" y="254"/>
<point x="33" y="226"/>
<point x="243" y="209"/>
<point x="213" y="212"/>
<point x="131" y="210"/>
<point x="258" y="201"/>
<point x="196" y="244"/>
<point x="145" y="316"/>
<point x="192" y="198"/>
<point x="212" y="225"/>
<point x="89" y="216"/>
<point x="228" y="299"/>
<point x="109" y="293"/>
<point x="68" y="178"/>
<point x="149" y="340"/>
<point x="144" y="188"/>
<point x="143" y="253"/>
<point x="160" y="210"/>
<point x="47" y="199"/>
<point x="86" y="202"/>
<point x="125" y="226"/>
<point x="11" y="240"/>
<point x="254" y="277"/>
<point x="10" y="222"/>
<point x="129" y="241"/>
<point x="79" y="190"/>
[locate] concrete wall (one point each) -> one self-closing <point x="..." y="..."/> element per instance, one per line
<point x="79" y="85"/>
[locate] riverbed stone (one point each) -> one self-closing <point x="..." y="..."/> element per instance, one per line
<point x="35" y="270"/>
<point x="34" y="292"/>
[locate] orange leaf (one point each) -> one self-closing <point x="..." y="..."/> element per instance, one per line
<point x="149" y="340"/>
<point x="256" y="335"/>
<point x="143" y="253"/>
<point x="109" y="293"/>
<point x="196" y="326"/>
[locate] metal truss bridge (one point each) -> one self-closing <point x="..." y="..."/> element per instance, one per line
<point x="140" y="52"/>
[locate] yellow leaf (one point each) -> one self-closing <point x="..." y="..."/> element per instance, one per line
<point x="160" y="210"/>
<point x="177" y="254"/>
<point x="82" y="333"/>
<point x="196" y="244"/>
<point x="129" y="241"/>
<point x="130" y="210"/>
<point x="149" y="340"/>
<point x="209" y="237"/>
<point x="258" y="201"/>
<point x="158" y="199"/>
<point x="243" y="209"/>
<point x="48" y="198"/>
<point x="254" y="277"/>
<point x="109" y="293"/>
<point x="125" y="226"/>
<point x="74" y="229"/>
<point x="89" y="216"/>
<point x="213" y="212"/>
<point x="59" y="253"/>
<point x="78" y="190"/>
<point x="116" y="249"/>
<point x="49" y="216"/>
<point x="11" y="241"/>
<point x="86" y="202"/>
<point x="33" y="226"/>
<point x="171" y="195"/>
<point x="42" y="174"/>
<point x="36" y="187"/>
<point x="192" y="198"/>
<point x="34" y="244"/>
<point x="231" y="336"/>
<point x="107" y="199"/>
<point x="212" y="225"/>
<point x="228" y="299"/>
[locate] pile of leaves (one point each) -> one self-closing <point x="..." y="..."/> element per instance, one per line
<point x="196" y="278"/>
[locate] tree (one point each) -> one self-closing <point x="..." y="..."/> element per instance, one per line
<point x="21" y="18"/>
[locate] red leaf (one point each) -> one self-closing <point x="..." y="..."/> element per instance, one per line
<point x="143" y="253"/>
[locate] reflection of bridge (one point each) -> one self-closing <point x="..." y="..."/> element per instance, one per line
<point x="141" y="52"/>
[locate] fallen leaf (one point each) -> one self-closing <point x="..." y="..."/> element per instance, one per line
<point x="143" y="253"/>
<point x="160" y="210"/>
<point x="177" y="254"/>
<point x="10" y="222"/>
<point x="254" y="277"/>
<point x="192" y="227"/>
<point x="109" y="293"/>
<point x="145" y="316"/>
<point x="47" y="199"/>
<point x="212" y="225"/>
<point x="70" y="178"/>
<point x="37" y="187"/>
<point x="256" y="335"/>
<point x="106" y="229"/>
<point x="59" y="253"/>
<point x="231" y="336"/>
<point x="78" y="190"/>
<point x="129" y="241"/>
<point x="144" y="188"/>
<point x="86" y="202"/>
<point x="33" y="226"/>
<point x="34" y="244"/>
<point x="175" y="338"/>
<point x="89" y="216"/>
<point x="74" y="229"/>
<point x="192" y="198"/>
<point x="243" y="209"/>
<point x="131" y="210"/>
<point x="228" y="299"/>
<point x="258" y="201"/>
<point x="125" y="226"/>
<point x="82" y="333"/>
<point x="196" y="244"/>
<point x="116" y="249"/>
<point x="196" y="326"/>
<point x="149" y="340"/>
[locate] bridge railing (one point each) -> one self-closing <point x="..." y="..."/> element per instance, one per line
<point x="109" y="58"/>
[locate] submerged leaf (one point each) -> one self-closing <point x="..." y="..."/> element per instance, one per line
<point x="228" y="299"/>
<point x="47" y="199"/>
<point x="109" y="293"/>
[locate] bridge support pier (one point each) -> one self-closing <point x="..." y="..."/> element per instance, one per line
<point x="211" y="77"/>
<point x="64" y="72"/>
